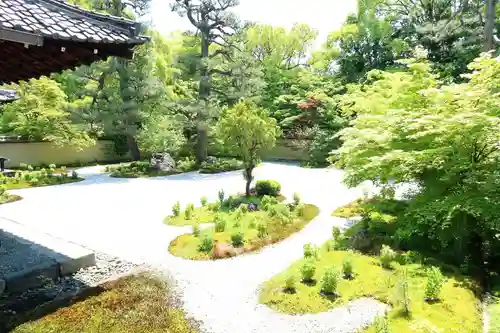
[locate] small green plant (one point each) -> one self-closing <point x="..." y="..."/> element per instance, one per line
<point x="347" y="268"/>
<point x="29" y="167"/>
<point x="310" y="251"/>
<point x="252" y="224"/>
<point x="403" y="292"/>
<point x="188" y="212"/>
<point x="206" y="244"/>
<point x="336" y="232"/>
<point x="381" y="324"/>
<point x="52" y="166"/>
<point x="268" y="201"/>
<point x="300" y="210"/>
<point x="176" y="209"/>
<point x="330" y="281"/>
<point x="220" y="223"/>
<point x="222" y="195"/>
<point x="203" y="201"/>
<point x="50" y="172"/>
<point x="3" y="190"/>
<point x="243" y="208"/>
<point x="27" y="176"/>
<point x="272" y="211"/>
<point x="296" y="199"/>
<point x="308" y="270"/>
<point x="74" y="174"/>
<point x="387" y="256"/>
<point x="64" y="173"/>
<point x="237" y="223"/>
<point x="238" y="214"/>
<point x="262" y="230"/>
<point x="268" y="187"/>
<point x="34" y="181"/>
<point x="237" y="238"/>
<point x="290" y="283"/>
<point x="435" y="281"/>
<point x="196" y="230"/>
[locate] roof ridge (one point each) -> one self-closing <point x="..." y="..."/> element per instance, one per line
<point x="90" y="14"/>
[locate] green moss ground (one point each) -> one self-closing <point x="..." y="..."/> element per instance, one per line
<point x="186" y="246"/>
<point x="49" y="181"/>
<point x="459" y="310"/>
<point x="8" y="198"/>
<point x="140" y="304"/>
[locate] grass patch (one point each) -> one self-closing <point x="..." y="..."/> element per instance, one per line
<point x="458" y="310"/>
<point x="139" y="304"/>
<point x="257" y="229"/>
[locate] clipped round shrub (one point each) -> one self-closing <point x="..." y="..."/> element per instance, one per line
<point x="310" y="251"/>
<point x="34" y="181"/>
<point x="290" y="283"/>
<point x="220" y="223"/>
<point x="330" y="281"/>
<point x="29" y="167"/>
<point x="203" y="201"/>
<point x="188" y="212"/>
<point x="307" y="271"/>
<point x="74" y="174"/>
<point x="52" y="166"/>
<point x="206" y="244"/>
<point x="237" y="238"/>
<point x="176" y="209"/>
<point x="435" y="281"/>
<point x="387" y="256"/>
<point x="268" y="187"/>
<point x="27" y="176"/>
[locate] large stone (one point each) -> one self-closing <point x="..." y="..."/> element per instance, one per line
<point x="162" y="162"/>
<point x="211" y="160"/>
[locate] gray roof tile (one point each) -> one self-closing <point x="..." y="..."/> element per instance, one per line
<point x="50" y="17"/>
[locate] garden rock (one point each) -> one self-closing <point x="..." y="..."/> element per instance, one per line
<point x="162" y="162"/>
<point x="211" y="160"/>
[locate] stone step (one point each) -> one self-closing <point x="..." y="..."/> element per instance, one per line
<point x="54" y="258"/>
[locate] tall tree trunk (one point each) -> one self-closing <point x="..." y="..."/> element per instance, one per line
<point x="133" y="147"/>
<point x="489" y="25"/>
<point x="204" y="96"/>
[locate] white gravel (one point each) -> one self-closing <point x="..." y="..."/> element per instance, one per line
<point x="124" y="217"/>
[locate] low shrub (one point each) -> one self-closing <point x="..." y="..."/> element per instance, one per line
<point x="262" y="230"/>
<point x="308" y="270"/>
<point x="290" y="283"/>
<point x="408" y="257"/>
<point x="176" y="209"/>
<point x="188" y="212"/>
<point x="347" y="268"/>
<point x="222" y="165"/>
<point x="237" y="238"/>
<point x="243" y="208"/>
<point x="310" y="251"/>
<point x="387" y="256"/>
<point x="268" y="187"/>
<point x="206" y="244"/>
<point x="268" y="201"/>
<point x="330" y="281"/>
<point x="74" y="174"/>
<point x="336" y="232"/>
<point x="252" y="224"/>
<point x="222" y="195"/>
<point x="300" y="209"/>
<point x="220" y="223"/>
<point x="435" y="280"/>
<point x="203" y="201"/>
<point x="196" y="230"/>
<point x="187" y="164"/>
<point x="296" y="199"/>
<point x="381" y="324"/>
<point x="34" y="181"/>
<point x="402" y="296"/>
<point x="3" y="190"/>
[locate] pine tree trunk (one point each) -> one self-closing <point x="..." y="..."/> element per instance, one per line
<point x="134" y="148"/>
<point x="489" y="25"/>
<point x="204" y="96"/>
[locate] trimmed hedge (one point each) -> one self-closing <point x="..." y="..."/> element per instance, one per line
<point x="268" y="187"/>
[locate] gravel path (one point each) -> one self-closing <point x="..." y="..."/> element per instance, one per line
<point x="123" y="217"/>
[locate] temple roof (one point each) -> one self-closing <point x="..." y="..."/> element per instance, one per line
<point x="38" y="37"/>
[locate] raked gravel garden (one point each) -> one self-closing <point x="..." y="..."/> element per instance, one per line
<point x="125" y="218"/>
